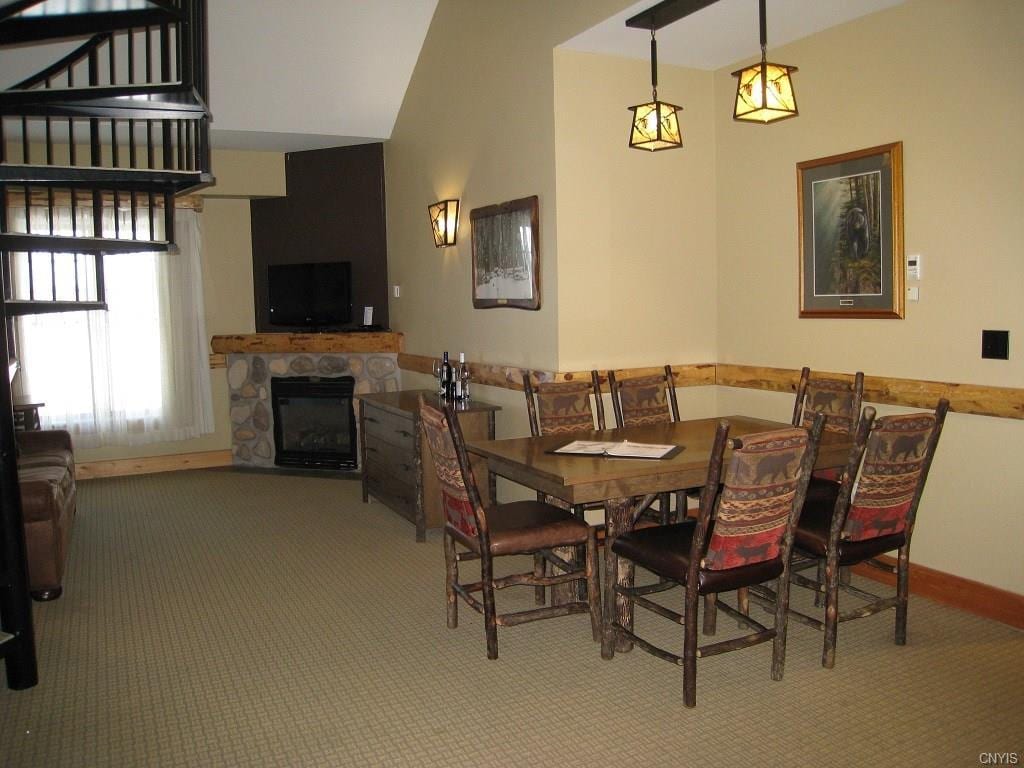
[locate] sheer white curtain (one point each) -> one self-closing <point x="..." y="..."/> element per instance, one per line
<point x="136" y="374"/>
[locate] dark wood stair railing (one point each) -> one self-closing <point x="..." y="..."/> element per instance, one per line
<point x="121" y="122"/>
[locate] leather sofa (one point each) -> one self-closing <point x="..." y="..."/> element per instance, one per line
<point x="46" y="474"/>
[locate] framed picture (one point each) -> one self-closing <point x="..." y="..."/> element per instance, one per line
<point x="851" y="234"/>
<point x="506" y="257"/>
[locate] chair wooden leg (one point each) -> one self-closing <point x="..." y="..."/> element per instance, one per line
<point x="451" y="578"/>
<point x="593" y="586"/>
<point x="710" y="613"/>
<point x="690" y="647"/>
<point x="490" y="612"/>
<point x="828" y="655"/>
<point x="902" y="593"/>
<point x="819" y="598"/>
<point x="539" y="569"/>
<point x="664" y="508"/>
<point x="743" y="603"/>
<point x="781" y="623"/>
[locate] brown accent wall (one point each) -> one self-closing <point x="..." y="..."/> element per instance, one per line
<point x="334" y="211"/>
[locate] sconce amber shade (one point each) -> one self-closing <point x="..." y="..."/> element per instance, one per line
<point x="444" y="221"/>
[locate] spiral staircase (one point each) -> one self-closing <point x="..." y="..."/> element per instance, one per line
<point x="93" y="150"/>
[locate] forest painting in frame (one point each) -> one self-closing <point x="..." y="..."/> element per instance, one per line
<point x="506" y="261"/>
<point x="851" y="234"/>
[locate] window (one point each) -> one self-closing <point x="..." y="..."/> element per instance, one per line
<point x="135" y="374"/>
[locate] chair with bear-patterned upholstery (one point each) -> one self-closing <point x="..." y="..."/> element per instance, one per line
<point x="870" y="512"/>
<point x="473" y="532"/>
<point x="649" y="399"/>
<point x="742" y="536"/>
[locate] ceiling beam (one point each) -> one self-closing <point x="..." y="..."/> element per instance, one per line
<point x="666" y="12"/>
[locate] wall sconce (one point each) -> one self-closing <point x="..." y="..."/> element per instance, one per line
<point x="444" y="221"/>
<point x="655" y="124"/>
<point x="765" y="91"/>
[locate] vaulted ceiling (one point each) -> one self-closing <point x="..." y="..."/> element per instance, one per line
<point x="306" y="74"/>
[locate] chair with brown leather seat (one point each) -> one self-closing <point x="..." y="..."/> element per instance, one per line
<point x="473" y="532"/>
<point x="741" y="537"/>
<point x="870" y="512"/>
<point x="649" y="399"/>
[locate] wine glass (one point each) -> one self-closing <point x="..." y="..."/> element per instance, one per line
<point x="436" y="367"/>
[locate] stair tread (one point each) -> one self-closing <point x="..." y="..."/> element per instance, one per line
<point x="51" y="19"/>
<point x="175" y="97"/>
<point x="19" y="307"/>
<point x="105" y="179"/>
<point x="17" y="242"/>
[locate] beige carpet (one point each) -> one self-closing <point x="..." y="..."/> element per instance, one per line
<point x="219" y="618"/>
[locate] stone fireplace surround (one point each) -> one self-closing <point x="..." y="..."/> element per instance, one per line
<point x="252" y="360"/>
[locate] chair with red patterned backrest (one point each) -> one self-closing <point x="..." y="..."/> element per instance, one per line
<point x="472" y="532"/>
<point x="870" y="512"/>
<point x="743" y="535"/>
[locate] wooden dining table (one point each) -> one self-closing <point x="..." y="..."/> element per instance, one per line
<point x="622" y="484"/>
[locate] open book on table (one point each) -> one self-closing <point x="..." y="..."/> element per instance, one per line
<point x="623" y="449"/>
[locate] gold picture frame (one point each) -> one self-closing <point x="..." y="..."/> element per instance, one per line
<point x="851" y="234"/>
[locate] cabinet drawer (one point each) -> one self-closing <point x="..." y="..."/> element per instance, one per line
<point x="397" y="459"/>
<point x="396" y="491"/>
<point x="389" y="427"/>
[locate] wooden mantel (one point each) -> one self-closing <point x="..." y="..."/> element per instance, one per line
<point x="258" y="343"/>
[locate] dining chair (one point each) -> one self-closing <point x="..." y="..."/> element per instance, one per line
<point x="871" y="511"/>
<point x="564" y="408"/>
<point x="838" y="399"/>
<point x="649" y="399"/>
<point x="473" y="532"/>
<point x="743" y="535"/>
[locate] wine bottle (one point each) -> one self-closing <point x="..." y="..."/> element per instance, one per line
<point x="447" y="378"/>
<point x="462" y="378"/>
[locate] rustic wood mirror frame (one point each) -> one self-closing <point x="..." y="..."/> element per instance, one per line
<point x="506" y="255"/>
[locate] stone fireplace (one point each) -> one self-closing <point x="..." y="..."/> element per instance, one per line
<point x="252" y="412"/>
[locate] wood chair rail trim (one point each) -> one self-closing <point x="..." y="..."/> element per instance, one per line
<point x="975" y="399"/>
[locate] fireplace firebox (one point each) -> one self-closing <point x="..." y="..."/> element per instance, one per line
<point x="314" y="422"/>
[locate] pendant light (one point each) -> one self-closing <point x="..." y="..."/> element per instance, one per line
<point x="655" y="124"/>
<point x="765" y="91"/>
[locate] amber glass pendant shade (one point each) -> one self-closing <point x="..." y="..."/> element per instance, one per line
<point x="764" y="93"/>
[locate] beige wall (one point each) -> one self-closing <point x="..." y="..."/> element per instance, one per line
<point x="477" y="124"/>
<point x="934" y="74"/>
<point x="636" y="232"/>
<point x="227" y="282"/>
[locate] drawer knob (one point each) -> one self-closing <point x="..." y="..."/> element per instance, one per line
<point x="370" y="418"/>
<point x="403" y="433"/>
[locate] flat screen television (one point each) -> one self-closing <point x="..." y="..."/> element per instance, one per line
<point x="310" y="295"/>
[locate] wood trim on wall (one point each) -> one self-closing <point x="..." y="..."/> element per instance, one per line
<point x="978" y="399"/>
<point x="511" y="377"/>
<point x="90" y="470"/>
<point x="259" y="343"/>
<point x="957" y="592"/>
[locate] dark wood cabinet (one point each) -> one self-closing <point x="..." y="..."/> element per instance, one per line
<point x="397" y="469"/>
